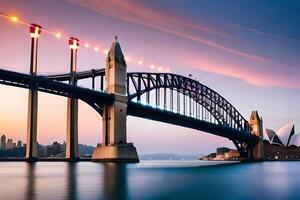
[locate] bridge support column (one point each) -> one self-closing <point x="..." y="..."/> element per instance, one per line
<point x="72" y="110"/>
<point x="72" y="130"/>
<point x="31" y="146"/>
<point x="114" y="146"/>
<point x="256" y="128"/>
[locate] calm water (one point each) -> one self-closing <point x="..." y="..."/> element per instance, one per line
<point x="149" y="180"/>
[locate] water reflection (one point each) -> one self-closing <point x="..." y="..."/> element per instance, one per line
<point x="30" y="176"/>
<point x="71" y="181"/>
<point x="89" y="181"/>
<point x="115" y="181"/>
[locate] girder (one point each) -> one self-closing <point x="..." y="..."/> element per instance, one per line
<point x="238" y="137"/>
<point x="94" y="98"/>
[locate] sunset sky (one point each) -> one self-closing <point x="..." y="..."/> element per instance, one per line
<point x="248" y="51"/>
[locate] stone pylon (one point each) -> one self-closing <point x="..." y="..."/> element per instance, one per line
<point x="114" y="146"/>
<point x="256" y="128"/>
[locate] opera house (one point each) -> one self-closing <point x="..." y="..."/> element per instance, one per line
<point x="282" y="144"/>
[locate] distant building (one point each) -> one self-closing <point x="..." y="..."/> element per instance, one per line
<point x="50" y="150"/>
<point x="232" y="155"/>
<point x="19" y="144"/>
<point x="56" y="148"/>
<point x="223" y="153"/>
<point x="9" y="144"/>
<point x="222" y="150"/>
<point x="3" y="142"/>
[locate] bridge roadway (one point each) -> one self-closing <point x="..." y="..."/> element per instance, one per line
<point x="43" y="84"/>
<point x="97" y="99"/>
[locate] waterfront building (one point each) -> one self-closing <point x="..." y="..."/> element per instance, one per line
<point x="232" y="154"/>
<point x="282" y="144"/>
<point x="223" y="153"/>
<point x="3" y="142"/>
<point x="278" y="152"/>
<point x="222" y="150"/>
<point x="56" y="148"/>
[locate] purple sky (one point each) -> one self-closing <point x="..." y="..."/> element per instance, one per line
<point x="248" y="51"/>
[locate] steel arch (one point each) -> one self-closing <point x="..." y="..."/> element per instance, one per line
<point x="139" y="84"/>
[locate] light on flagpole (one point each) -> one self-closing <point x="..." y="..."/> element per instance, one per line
<point x="35" y="30"/>
<point x="73" y="43"/>
<point x="58" y="35"/>
<point x="14" y="19"/>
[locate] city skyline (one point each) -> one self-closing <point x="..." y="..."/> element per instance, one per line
<point x="9" y="144"/>
<point x="23" y="143"/>
<point x="262" y="82"/>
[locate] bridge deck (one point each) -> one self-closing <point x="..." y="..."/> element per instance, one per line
<point x="43" y="84"/>
<point x="156" y="114"/>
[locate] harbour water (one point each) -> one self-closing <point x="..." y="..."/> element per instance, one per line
<point x="149" y="180"/>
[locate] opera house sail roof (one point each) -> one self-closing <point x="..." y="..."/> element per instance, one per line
<point x="285" y="136"/>
<point x="295" y="141"/>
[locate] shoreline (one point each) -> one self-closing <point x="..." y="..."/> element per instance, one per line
<point x="90" y="160"/>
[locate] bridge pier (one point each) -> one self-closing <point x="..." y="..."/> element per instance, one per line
<point x="72" y="110"/>
<point x="256" y="128"/>
<point x="31" y="146"/>
<point x="72" y="130"/>
<point x="114" y="145"/>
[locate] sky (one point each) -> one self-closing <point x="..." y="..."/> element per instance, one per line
<point x="248" y="51"/>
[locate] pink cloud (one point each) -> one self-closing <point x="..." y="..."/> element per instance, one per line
<point x="251" y="75"/>
<point x="264" y="33"/>
<point x="141" y="14"/>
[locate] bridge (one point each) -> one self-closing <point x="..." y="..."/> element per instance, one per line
<point x="163" y="97"/>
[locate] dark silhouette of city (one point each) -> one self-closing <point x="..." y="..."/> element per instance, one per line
<point x="10" y="149"/>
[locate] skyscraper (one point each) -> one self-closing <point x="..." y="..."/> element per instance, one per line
<point x="9" y="144"/>
<point x="19" y="144"/>
<point x="3" y="142"/>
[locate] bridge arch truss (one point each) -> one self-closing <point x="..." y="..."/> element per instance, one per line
<point x="184" y="96"/>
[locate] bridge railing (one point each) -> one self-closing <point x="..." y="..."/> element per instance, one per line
<point x="92" y="79"/>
